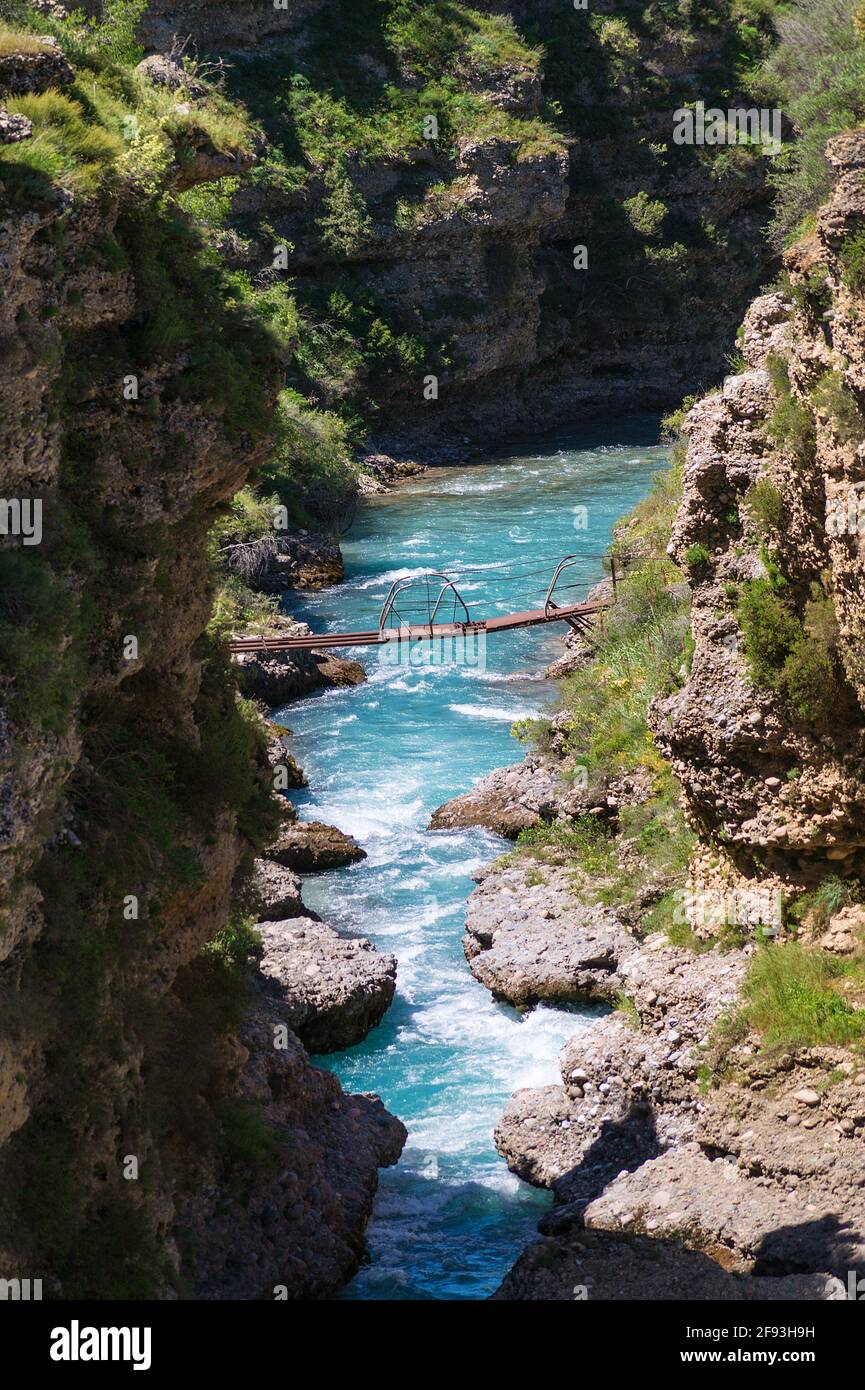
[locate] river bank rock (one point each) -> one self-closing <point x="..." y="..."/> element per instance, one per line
<point x="302" y="560"/>
<point x="535" y="792"/>
<point x="585" y="1267"/>
<point x="382" y="473"/>
<point x="528" y="941"/>
<point x="742" y="1223"/>
<point x="761" y="1172"/>
<point x="577" y="654"/>
<point x="507" y="801"/>
<point x="295" y="1226"/>
<point x="278" y="561"/>
<point x="291" y="774"/>
<point x="275" y="893"/>
<point x="332" y="989"/>
<point x="310" y="846"/>
<point x="628" y="1079"/>
<point x="277" y="678"/>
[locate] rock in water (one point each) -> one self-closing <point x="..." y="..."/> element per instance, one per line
<point x="509" y="800"/>
<point x="332" y="989"/>
<point x="279" y="677"/>
<point x="307" y="846"/>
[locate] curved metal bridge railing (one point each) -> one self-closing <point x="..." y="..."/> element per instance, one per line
<point x="395" y="619"/>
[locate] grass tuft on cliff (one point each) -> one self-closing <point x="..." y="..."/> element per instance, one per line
<point x="15" y="40"/>
<point x="110" y="126"/>
<point x="796" y="998"/>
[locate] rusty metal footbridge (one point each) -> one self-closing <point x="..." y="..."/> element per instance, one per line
<point x="424" y="607"/>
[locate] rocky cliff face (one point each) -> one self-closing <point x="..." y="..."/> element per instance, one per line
<point x="766" y="735"/>
<point x="223" y="25"/>
<point x="144" y="1148"/>
<point x="452" y="253"/>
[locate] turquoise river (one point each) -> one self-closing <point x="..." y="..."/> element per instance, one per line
<point x="450" y="1219"/>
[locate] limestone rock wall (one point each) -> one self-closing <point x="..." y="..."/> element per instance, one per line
<point x="132" y="795"/>
<point x="763" y="780"/>
<point x="484" y="272"/>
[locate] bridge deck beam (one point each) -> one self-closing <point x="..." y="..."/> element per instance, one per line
<point x="321" y="641"/>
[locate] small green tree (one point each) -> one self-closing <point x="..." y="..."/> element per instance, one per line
<point x="345" y="221"/>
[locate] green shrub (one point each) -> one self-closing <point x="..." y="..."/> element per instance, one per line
<point x="225" y="973"/>
<point x="534" y="732"/>
<point x="816" y="73"/>
<point x="65" y="142"/>
<point x="344" y="222"/>
<point x="585" y="843"/>
<point x="639" y="652"/>
<point x="770" y="630"/>
<point x="852" y="259"/>
<point x="107" y="40"/>
<point x="250" y="517"/>
<point x="40" y="641"/>
<point x="791" y="424"/>
<point x="811" y="294"/>
<point x="626" y="1005"/>
<point x="833" y="395"/>
<point x="249" y="1142"/>
<point x="189" y="302"/>
<point x="818" y="906"/>
<point x="766" y="505"/>
<point x="736" y="362"/>
<point x="431" y="38"/>
<point x="811" y="676"/>
<point x="15" y="40"/>
<point x="646" y="215"/>
<point x="311" y="469"/>
<point x="809" y="679"/>
<point x="671" y="425"/>
<point x="237" y="608"/>
<point x="228" y="767"/>
<point x="798" y="659"/>
<point x="697" y="556"/>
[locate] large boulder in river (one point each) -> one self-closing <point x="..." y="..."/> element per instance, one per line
<point x="307" y="846"/>
<point x="509" y="800"/>
<point x="291" y="773"/>
<point x="331" y="989"/>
